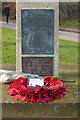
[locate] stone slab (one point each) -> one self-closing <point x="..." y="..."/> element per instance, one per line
<point x="53" y="6"/>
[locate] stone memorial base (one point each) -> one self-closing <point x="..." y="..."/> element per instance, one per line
<point x="37" y="38"/>
<point x="61" y="108"/>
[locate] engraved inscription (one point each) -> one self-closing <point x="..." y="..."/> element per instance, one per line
<point x="40" y="66"/>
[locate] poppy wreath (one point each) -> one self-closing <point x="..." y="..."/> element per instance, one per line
<point x="52" y="89"/>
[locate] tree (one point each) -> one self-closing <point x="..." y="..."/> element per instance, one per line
<point x="68" y="10"/>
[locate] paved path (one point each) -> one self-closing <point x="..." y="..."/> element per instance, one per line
<point x="9" y="25"/>
<point x="69" y="36"/>
<point x="62" y="34"/>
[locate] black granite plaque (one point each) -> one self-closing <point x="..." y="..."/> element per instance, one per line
<point x="35" y="65"/>
<point x="37" y="31"/>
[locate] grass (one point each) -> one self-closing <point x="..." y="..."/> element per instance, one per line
<point x="68" y="51"/>
<point x="69" y="24"/>
<point x="8" y="46"/>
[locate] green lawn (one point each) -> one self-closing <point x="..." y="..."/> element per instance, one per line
<point x="69" y="24"/>
<point x="8" y="46"/>
<point x="68" y="51"/>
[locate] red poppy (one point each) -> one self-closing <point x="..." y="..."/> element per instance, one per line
<point x="22" y="81"/>
<point x="15" y="85"/>
<point x="29" y="97"/>
<point x="55" y="84"/>
<point x="47" y="80"/>
<point x="54" y="89"/>
<point x="36" y="97"/>
<point x="13" y="91"/>
<point x="23" y="88"/>
<point x="18" y="82"/>
<point x="50" y="96"/>
<point x="21" y="94"/>
<point x="20" y="97"/>
<point x="43" y="95"/>
<point x="37" y="88"/>
<point x="59" y="83"/>
<point x="59" y="93"/>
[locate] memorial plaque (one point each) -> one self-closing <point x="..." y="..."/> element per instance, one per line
<point x="37" y="31"/>
<point x="35" y="65"/>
